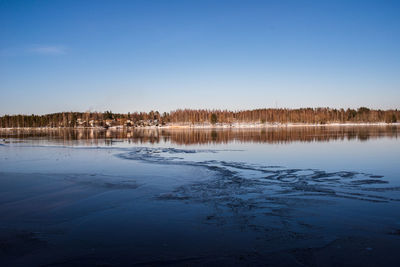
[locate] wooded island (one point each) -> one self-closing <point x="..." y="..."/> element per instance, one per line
<point x="203" y="117"/>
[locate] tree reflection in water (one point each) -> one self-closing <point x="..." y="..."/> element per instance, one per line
<point x="206" y="136"/>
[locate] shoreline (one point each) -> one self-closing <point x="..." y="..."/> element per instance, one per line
<point x="216" y="126"/>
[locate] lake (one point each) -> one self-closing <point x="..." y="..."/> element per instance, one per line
<point x="283" y="196"/>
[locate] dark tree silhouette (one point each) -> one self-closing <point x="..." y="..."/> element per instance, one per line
<point x="214" y="118"/>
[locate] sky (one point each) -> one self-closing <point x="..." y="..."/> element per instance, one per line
<point x="129" y="56"/>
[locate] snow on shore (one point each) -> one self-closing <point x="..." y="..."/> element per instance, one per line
<point x="218" y="125"/>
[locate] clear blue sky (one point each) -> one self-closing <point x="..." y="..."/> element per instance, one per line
<point x="163" y="55"/>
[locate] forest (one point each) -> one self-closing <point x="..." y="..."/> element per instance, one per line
<point x="202" y="117"/>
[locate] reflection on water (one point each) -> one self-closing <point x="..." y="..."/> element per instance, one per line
<point x="196" y="197"/>
<point x="208" y="136"/>
<point x="236" y="200"/>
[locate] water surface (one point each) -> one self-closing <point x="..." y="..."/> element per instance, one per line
<point x="282" y="196"/>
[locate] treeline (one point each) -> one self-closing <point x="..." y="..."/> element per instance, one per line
<point x="202" y="116"/>
<point x="303" y="115"/>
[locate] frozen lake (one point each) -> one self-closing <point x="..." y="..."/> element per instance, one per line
<point x="313" y="196"/>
